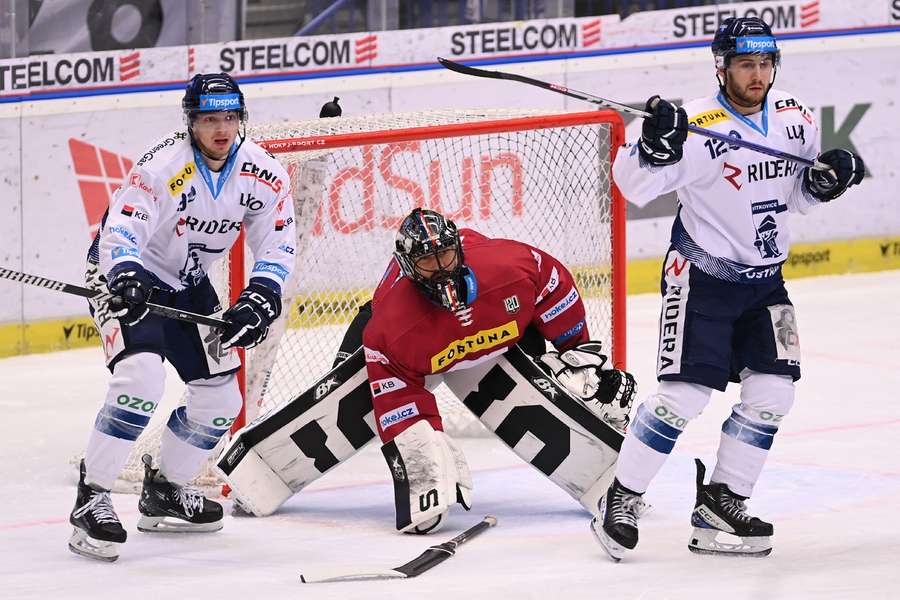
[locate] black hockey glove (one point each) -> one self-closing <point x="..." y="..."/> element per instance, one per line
<point x="131" y="286"/>
<point x="663" y="133"/>
<point x="247" y="322"/>
<point x="847" y="169"/>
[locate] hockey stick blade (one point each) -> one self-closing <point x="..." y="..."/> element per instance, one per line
<point x="628" y="110"/>
<point x="429" y="559"/>
<point x="76" y="290"/>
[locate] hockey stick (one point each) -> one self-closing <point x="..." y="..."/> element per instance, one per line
<point x="432" y="557"/>
<point x="75" y="290"/>
<point x="624" y="108"/>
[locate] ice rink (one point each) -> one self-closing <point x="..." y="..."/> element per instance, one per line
<point x="831" y="487"/>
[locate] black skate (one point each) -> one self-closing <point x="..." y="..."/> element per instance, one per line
<point x="97" y="527"/>
<point x="616" y="525"/>
<point x="169" y="508"/>
<point x="719" y="510"/>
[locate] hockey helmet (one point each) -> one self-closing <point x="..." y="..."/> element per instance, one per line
<point x="426" y="233"/>
<point x="744" y="35"/>
<point x="209" y="92"/>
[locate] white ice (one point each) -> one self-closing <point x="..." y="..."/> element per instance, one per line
<point x="831" y="486"/>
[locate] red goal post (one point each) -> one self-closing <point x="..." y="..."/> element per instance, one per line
<point x="535" y="176"/>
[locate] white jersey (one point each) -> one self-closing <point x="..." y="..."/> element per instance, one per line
<point x="176" y="217"/>
<point x="733" y="202"/>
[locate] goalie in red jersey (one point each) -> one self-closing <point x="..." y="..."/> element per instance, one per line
<point x="453" y="299"/>
<point x="474" y="313"/>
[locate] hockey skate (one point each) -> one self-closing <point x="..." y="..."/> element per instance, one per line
<point x="97" y="527"/>
<point x="719" y="511"/>
<point x="169" y="508"/>
<point x="616" y="525"/>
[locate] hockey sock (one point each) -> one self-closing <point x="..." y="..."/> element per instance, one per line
<point x="749" y="431"/>
<point x="134" y="391"/>
<point x="659" y="421"/>
<point x="194" y="430"/>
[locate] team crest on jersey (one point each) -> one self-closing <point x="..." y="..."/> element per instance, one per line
<point x="512" y="304"/>
<point x="192" y="273"/>
<point x="766" y="227"/>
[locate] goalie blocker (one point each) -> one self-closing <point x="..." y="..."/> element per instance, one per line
<point x="279" y="454"/>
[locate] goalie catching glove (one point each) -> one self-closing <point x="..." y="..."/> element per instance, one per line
<point x="583" y="371"/>
<point x="247" y="322"/>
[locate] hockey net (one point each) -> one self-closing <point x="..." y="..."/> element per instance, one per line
<point x="537" y="177"/>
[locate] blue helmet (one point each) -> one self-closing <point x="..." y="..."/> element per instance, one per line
<point x="207" y="92"/>
<point x="744" y="35"/>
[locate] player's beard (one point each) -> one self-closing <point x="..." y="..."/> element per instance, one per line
<point x="745" y="97"/>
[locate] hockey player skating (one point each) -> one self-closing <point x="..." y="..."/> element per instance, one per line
<point x="726" y="315"/>
<point x="181" y="208"/>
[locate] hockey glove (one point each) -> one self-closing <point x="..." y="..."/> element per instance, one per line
<point x="130" y="285"/>
<point x="663" y="133"/>
<point x="247" y="322"/>
<point x="847" y="169"/>
<point x="583" y="371"/>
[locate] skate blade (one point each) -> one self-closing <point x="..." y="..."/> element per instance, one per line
<point x="82" y="544"/>
<point x="703" y="541"/>
<point x="615" y="551"/>
<point x="173" y="525"/>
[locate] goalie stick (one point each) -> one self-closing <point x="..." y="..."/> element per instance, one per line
<point x="431" y="558"/>
<point x="76" y="290"/>
<point x="624" y="108"/>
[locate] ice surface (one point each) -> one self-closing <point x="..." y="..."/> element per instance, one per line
<point x="831" y="486"/>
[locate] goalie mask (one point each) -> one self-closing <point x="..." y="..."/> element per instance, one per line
<point x="743" y="35"/>
<point x="429" y="252"/>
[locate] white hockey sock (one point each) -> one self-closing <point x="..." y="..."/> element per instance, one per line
<point x="193" y="430"/>
<point x="134" y="392"/>
<point x="749" y="431"/>
<point x="658" y="422"/>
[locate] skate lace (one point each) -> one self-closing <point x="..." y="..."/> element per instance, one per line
<point x="734" y="508"/>
<point x="191" y="499"/>
<point x="627" y="508"/>
<point x="101" y="508"/>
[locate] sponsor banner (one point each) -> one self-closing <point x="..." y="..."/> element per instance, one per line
<point x="92" y="70"/>
<point x="805" y="260"/>
<point x="296" y="56"/>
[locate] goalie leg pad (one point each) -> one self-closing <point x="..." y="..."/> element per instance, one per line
<point x="429" y="473"/>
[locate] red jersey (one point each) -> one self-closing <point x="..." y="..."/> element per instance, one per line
<point x="511" y="285"/>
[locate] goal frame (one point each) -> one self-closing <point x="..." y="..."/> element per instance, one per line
<point x="237" y="271"/>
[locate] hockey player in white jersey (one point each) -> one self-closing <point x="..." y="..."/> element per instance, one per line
<point x="181" y="208"/>
<point x="726" y="315"/>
